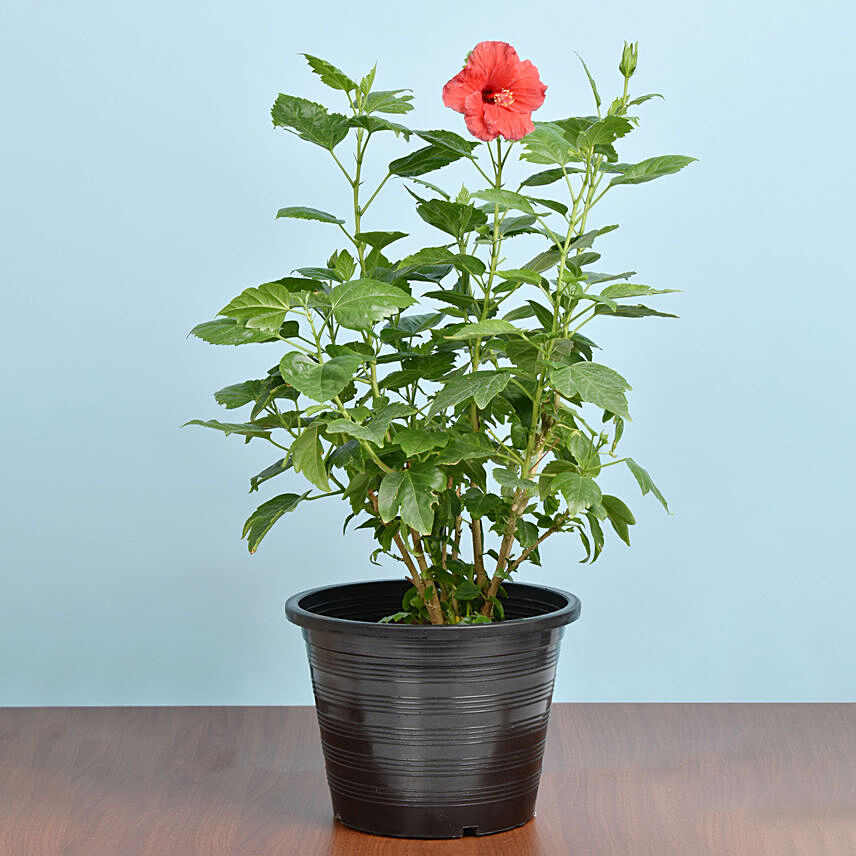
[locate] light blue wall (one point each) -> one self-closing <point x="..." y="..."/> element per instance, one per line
<point x="140" y="175"/>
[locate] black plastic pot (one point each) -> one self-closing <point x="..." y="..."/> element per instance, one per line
<point x="431" y="732"/>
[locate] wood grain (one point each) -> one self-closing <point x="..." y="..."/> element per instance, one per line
<point x="623" y="779"/>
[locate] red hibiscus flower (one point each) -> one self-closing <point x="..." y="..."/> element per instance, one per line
<point x="496" y="92"/>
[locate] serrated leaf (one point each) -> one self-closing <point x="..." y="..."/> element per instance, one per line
<point x="238" y="394"/>
<point x="432" y="256"/>
<point x="301" y="212"/>
<point x="310" y="121"/>
<point x="645" y="482"/>
<point x="520" y="275"/>
<point x="453" y="218"/>
<point x="465" y="447"/>
<point x="389" y="101"/>
<point x="481" y="386"/>
<point x="360" y="303"/>
<point x="449" y="140"/>
<point x="411" y="494"/>
<point x="318" y="381"/>
<point x="306" y="454"/>
<point x="631" y="289"/>
<point x="263" y="307"/>
<point x="543" y="261"/>
<point x="547" y="144"/>
<point x="505" y="199"/>
<point x="228" y="331"/>
<point x="416" y="441"/>
<point x="375" y="429"/>
<point x="245" y="429"/>
<point x="275" y="469"/>
<point x="423" y="160"/>
<point x="648" y="170"/>
<point x="508" y="478"/>
<point x="595" y="383"/>
<point x="379" y="240"/>
<point x="262" y="519"/>
<point x="329" y="74"/>
<point x="488" y="327"/>
<point x="579" y="492"/>
<point x="373" y="124"/>
<point x="637" y="311"/>
<point x="604" y="131"/>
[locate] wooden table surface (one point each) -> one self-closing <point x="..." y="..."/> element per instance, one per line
<point x="623" y="779"/>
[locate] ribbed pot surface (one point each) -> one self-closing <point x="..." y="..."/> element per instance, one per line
<point x="431" y="732"/>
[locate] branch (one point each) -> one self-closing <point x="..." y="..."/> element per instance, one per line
<point x="560" y="521"/>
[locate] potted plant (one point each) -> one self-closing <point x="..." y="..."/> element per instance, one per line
<point x="450" y="396"/>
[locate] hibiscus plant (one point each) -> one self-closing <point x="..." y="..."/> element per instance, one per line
<point x="448" y="393"/>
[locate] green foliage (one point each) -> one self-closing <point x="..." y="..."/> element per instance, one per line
<point x="446" y="391"/>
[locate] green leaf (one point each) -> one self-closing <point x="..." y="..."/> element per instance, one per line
<point x="228" y="331"/>
<point x="648" y="170"/>
<point x="368" y="80"/>
<point x="330" y="75"/>
<point x="263" y="307"/>
<point x="594" y="383"/>
<point x="508" y="478"/>
<point x="488" y="327"/>
<point x="379" y="240"/>
<point x="310" y="121"/>
<point x="260" y="521"/>
<point x="360" y="303"/>
<point x="620" y="516"/>
<point x="646" y="483"/>
<point x="637" y="311"/>
<point x="481" y="386"/>
<point x="415" y="441"/>
<point x="306" y="453"/>
<point x="464" y="447"/>
<point x="579" y="492"/>
<point x="373" y="124"/>
<point x="270" y="472"/>
<point x="411" y="494"/>
<point x="547" y="176"/>
<point x="301" y="212"/>
<point x="238" y="394"/>
<point x="643" y="98"/>
<point x="543" y="261"/>
<point x="388" y="101"/>
<point x="375" y="429"/>
<point x="467" y="590"/>
<point x="431" y="256"/>
<point x="590" y="80"/>
<point x="318" y="381"/>
<point x="547" y="144"/>
<point x="245" y="429"/>
<point x="505" y="199"/>
<point x="447" y="139"/>
<point x="603" y="132"/>
<point x="423" y="160"/>
<point x="452" y="218"/>
<point x="520" y="275"/>
<point x="632" y="289"/>
<point x="586" y="455"/>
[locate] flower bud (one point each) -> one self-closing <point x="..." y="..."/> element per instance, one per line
<point x="629" y="56"/>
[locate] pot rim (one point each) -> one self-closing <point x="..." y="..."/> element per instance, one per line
<point x="309" y="620"/>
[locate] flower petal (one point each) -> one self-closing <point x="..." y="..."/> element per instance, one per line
<point x="528" y="90"/>
<point x="474" y="116"/>
<point x="501" y="120"/>
<point x="496" y="62"/>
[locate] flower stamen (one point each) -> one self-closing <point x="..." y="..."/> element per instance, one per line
<point x="503" y="98"/>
